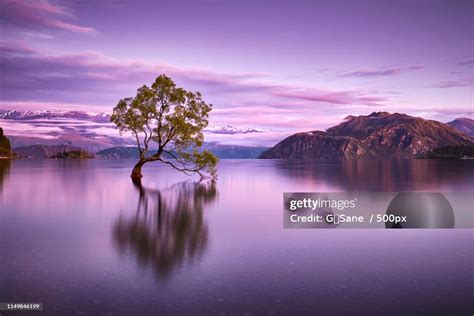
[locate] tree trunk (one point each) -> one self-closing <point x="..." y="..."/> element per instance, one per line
<point x="137" y="171"/>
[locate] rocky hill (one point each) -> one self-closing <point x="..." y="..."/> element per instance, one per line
<point x="464" y="125"/>
<point x="378" y="135"/>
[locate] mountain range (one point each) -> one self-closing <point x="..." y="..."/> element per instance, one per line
<point x="220" y="150"/>
<point x="378" y="135"/>
<point x="99" y="117"/>
<point x="93" y="132"/>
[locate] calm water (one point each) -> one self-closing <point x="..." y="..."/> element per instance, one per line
<point x="81" y="238"/>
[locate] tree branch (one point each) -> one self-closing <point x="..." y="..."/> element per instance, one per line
<point x="183" y="163"/>
<point x="138" y="141"/>
<point x="184" y="170"/>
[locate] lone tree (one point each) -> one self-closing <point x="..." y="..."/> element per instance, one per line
<point x="171" y="120"/>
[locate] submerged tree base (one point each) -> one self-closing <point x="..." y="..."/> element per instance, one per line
<point x="137" y="171"/>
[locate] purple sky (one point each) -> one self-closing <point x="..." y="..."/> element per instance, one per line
<point x="285" y="66"/>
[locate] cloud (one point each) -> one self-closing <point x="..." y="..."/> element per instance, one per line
<point x="90" y="77"/>
<point x="35" y="75"/>
<point x="38" y="79"/>
<point x="58" y="125"/>
<point x="469" y="63"/>
<point x="341" y="97"/>
<point x="445" y="114"/>
<point x="232" y="130"/>
<point x="38" y="14"/>
<point x="463" y="82"/>
<point x="374" y="73"/>
<point x="15" y="48"/>
<point x="392" y="71"/>
<point x="275" y="118"/>
<point x="253" y="139"/>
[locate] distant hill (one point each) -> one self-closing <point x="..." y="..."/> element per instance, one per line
<point x="85" y="142"/>
<point x="221" y="151"/>
<point x="464" y="125"/>
<point x="378" y="135"/>
<point x="233" y="151"/>
<point x="43" y="151"/>
<point x="66" y="151"/>
<point x="119" y="153"/>
<point x="5" y="148"/>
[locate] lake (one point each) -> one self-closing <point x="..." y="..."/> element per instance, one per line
<point x="79" y="237"/>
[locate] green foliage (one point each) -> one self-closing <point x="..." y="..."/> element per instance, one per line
<point x="5" y="148"/>
<point x="73" y="154"/>
<point x="451" y="152"/>
<point x="173" y="119"/>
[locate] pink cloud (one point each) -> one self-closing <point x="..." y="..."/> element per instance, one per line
<point x="31" y="77"/>
<point x="40" y="5"/>
<point x="17" y="47"/>
<point x="375" y="73"/>
<point x="468" y="63"/>
<point x="89" y="67"/>
<point x="254" y="110"/>
<point x="69" y="26"/>
<point x="391" y="71"/>
<point x="450" y="111"/>
<point x="341" y="97"/>
<point x="38" y="14"/>
<point x="464" y="82"/>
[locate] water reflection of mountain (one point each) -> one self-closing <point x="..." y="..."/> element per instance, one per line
<point x="381" y="175"/>
<point x="4" y="171"/>
<point x="168" y="227"/>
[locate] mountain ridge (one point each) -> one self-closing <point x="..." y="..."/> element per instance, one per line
<point x="464" y="125"/>
<point x="377" y="135"/>
<point x="222" y="151"/>
<point x="131" y="152"/>
<point x="99" y="117"/>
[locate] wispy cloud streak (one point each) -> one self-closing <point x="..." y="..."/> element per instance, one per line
<point x="463" y="82"/>
<point x="391" y="71"/>
<point x="31" y="15"/>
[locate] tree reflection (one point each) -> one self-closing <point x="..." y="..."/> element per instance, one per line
<point x="4" y="171"/>
<point x="167" y="228"/>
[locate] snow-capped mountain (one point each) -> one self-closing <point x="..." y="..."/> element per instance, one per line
<point x="234" y="130"/>
<point x="93" y="131"/>
<point x="98" y="117"/>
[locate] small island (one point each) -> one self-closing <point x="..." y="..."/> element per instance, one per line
<point x="73" y="154"/>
